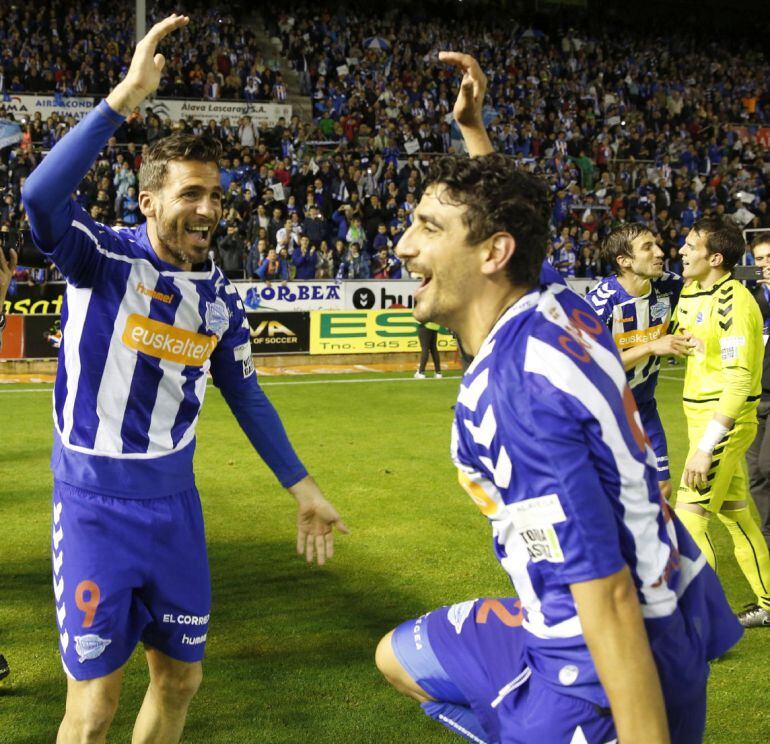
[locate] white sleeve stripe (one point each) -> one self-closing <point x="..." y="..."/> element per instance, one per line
<point x="109" y="254"/>
<point x="639" y="513"/>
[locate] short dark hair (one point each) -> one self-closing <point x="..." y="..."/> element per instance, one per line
<point x="722" y="236"/>
<point x="178" y="146"/>
<point x="762" y="239"/>
<point x="499" y="198"/>
<point x="618" y="242"/>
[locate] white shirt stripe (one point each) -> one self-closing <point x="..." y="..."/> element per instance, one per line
<point x="77" y="307"/>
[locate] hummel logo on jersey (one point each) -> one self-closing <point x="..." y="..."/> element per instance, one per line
<point x="166" y="342"/>
<point x="159" y="296"/>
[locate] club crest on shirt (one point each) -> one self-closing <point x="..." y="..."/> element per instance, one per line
<point x="217" y="317"/>
<point x="90" y="646"/>
<point x="659" y="310"/>
<point x="699" y="317"/>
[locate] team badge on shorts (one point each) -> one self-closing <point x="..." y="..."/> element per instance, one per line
<point x="90" y="646"/>
<point x="458" y="614"/>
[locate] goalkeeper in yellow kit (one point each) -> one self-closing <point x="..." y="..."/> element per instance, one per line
<point x="721" y="393"/>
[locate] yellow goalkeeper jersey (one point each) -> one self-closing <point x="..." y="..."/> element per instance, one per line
<point x="726" y="324"/>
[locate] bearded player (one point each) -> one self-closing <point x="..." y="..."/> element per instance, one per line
<point x="146" y="317"/>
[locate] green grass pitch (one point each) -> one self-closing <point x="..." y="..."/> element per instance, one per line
<point x="289" y="657"/>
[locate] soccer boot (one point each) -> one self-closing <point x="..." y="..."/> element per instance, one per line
<point x="754" y="616"/>
<point x="5" y="670"/>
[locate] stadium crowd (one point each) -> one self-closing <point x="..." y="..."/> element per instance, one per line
<point x="624" y="127"/>
<point x="74" y="49"/>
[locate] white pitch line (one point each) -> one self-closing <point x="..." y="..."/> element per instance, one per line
<point x="277" y="384"/>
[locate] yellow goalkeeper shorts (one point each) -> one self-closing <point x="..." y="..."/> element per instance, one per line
<point x="728" y="476"/>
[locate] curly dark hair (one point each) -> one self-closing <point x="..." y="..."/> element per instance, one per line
<point x="178" y="146"/>
<point x="499" y="198"/>
<point x="618" y="242"/>
<point x="722" y="236"/>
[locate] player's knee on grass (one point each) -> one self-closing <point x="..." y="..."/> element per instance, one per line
<point x="391" y="669"/>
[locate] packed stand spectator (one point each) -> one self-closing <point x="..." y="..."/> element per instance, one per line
<point x="623" y="127"/>
<point x="72" y="49"/>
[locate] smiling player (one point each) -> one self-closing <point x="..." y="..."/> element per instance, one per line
<point x="146" y="317"/>
<point x="636" y="303"/>
<point x="722" y="388"/>
<point x="617" y="611"/>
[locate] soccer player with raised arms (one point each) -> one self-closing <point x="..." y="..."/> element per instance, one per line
<point x="722" y="388"/>
<point x="618" y="611"/>
<point x="636" y="303"/>
<point x="146" y="317"/>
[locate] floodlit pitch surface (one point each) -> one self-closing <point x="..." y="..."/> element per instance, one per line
<point x="290" y="651"/>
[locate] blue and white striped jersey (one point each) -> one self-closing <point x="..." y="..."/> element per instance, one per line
<point x="637" y="320"/>
<point x="139" y="338"/>
<point x="548" y="443"/>
<point x="138" y="341"/>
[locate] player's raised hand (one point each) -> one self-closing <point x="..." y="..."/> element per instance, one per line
<point x="470" y="97"/>
<point x="316" y="520"/>
<point x="146" y="65"/>
<point x="143" y="76"/>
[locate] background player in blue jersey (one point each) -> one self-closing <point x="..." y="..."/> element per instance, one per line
<point x="617" y="610"/>
<point x="146" y="316"/>
<point x="636" y="303"/>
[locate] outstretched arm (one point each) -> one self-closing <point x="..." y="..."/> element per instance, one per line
<point x="47" y="191"/>
<point x="470" y="103"/>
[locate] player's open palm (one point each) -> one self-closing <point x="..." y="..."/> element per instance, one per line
<point x="146" y="66"/>
<point x="316" y="520"/>
<point x="470" y="98"/>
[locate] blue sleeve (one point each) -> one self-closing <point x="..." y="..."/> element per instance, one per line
<point x="48" y="191"/>
<point x="60" y="227"/>
<point x="262" y="268"/>
<point x="284" y="270"/>
<point x="601" y="303"/>
<point x="233" y="373"/>
<point x="588" y="535"/>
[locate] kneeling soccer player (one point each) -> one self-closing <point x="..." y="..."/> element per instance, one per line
<point x="619" y="611"/>
<point x="722" y="388"/>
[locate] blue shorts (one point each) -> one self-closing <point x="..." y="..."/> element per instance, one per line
<point x="474" y="654"/>
<point x="124" y="571"/>
<point x="648" y="413"/>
